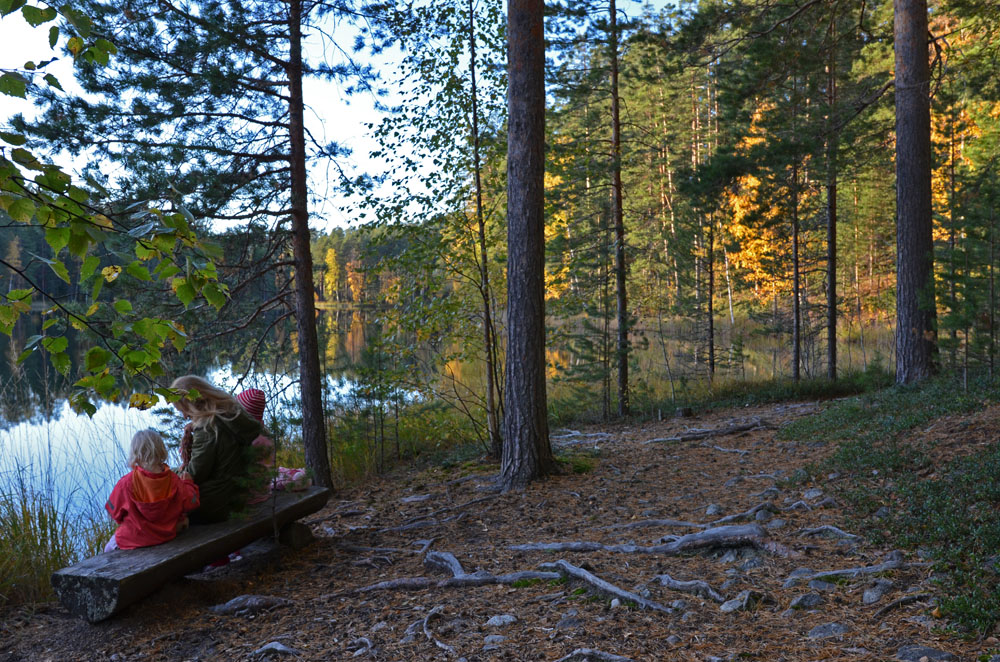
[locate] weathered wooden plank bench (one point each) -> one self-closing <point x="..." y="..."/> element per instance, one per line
<point x="99" y="586"/>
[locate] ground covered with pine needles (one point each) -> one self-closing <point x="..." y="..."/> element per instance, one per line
<point x="420" y="565"/>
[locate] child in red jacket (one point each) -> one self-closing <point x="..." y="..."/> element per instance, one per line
<point x="151" y="503"/>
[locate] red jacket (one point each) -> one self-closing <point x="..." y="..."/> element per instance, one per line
<point x="148" y="506"/>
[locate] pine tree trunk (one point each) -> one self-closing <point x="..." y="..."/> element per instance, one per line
<point x="616" y="208"/>
<point x="710" y="298"/>
<point x="796" y="300"/>
<point x="526" y="452"/>
<point x="916" y="317"/>
<point x="310" y="378"/>
<point x="831" y="224"/>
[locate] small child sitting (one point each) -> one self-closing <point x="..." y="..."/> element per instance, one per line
<point x="151" y="502"/>
<point x="284" y="479"/>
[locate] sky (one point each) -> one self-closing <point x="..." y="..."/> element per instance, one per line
<point x="332" y="115"/>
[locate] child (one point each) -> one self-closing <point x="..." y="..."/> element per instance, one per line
<point x="150" y="503"/>
<point x="289" y="480"/>
<point x="253" y="401"/>
<point x="219" y="438"/>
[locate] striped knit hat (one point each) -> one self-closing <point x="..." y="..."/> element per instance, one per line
<point x="253" y="401"/>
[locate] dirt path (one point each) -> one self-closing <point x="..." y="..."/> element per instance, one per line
<point x="644" y="488"/>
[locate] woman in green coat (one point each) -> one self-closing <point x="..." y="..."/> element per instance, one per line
<point x="219" y="436"/>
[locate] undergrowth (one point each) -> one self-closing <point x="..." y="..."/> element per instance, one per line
<point x="900" y="497"/>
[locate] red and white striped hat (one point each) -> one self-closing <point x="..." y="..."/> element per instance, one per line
<point x="253" y="401"/>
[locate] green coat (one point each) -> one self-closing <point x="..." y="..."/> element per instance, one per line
<point x="220" y="465"/>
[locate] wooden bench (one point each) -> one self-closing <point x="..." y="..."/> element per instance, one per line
<point x="102" y="585"/>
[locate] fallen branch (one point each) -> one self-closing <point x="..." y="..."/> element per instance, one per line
<point x="694" y="586"/>
<point x="592" y="655"/>
<point x="747" y="535"/>
<point x="421" y="523"/>
<point x="603" y="586"/>
<point x="728" y="450"/>
<point x="905" y="600"/>
<point x="430" y="637"/>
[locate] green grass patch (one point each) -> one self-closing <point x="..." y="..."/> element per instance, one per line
<point x="950" y="514"/>
<point x="524" y="583"/>
<point x="37" y="539"/>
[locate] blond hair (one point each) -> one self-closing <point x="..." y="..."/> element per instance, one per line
<point x="147" y="451"/>
<point x="210" y="402"/>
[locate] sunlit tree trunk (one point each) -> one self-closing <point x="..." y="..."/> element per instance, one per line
<point x="621" y="296"/>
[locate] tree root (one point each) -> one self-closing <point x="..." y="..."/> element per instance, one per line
<point x="430" y="637"/>
<point x="746" y="535"/>
<point x="592" y="655"/>
<point x="750" y="514"/>
<point x="905" y="600"/>
<point x="733" y="427"/>
<point x="829" y="531"/>
<point x="648" y="523"/>
<point x="727" y="450"/>
<point x="606" y="588"/>
<point x="694" y="586"/>
<point x="894" y="561"/>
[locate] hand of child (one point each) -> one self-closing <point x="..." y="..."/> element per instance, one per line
<point x="187" y="440"/>
<point x="182" y="524"/>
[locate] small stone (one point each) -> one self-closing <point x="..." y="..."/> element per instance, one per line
<point x="412" y="630"/>
<point x="494" y="639"/>
<point x="713" y="509"/>
<point x="801" y="572"/>
<point x="763" y="515"/>
<point x="735" y="480"/>
<point x="616" y="603"/>
<point x="883" y="512"/>
<point x="502" y="620"/>
<point x="814" y="493"/>
<point x="807" y="601"/>
<point x="833" y="476"/>
<point x="729" y="583"/>
<point x="679" y="605"/>
<point x="117" y="657"/>
<point x="751" y="564"/>
<point x="745" y="600"/>
<point x="791" y="582"/>
<point x="789" y="613"/>
<point x="917" y="653"/>
<point x="381" y="625"/>
<point x="828" y="630"/>
<point x="276" y="648"/>
<point x="569" y="621"/>
<point x="688" y="616"/>
<point x="876" y="591"/>
<point x="673" y="640"/>
<point x="776" y="523"/>
<point x="820" y="585"/>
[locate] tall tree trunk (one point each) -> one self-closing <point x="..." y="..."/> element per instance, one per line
<point x="796" y="299"/>
<point x="526" y="451"/>
<point x="616" y="208"/>
<point x="310" y="377"/>
<point x="832" y="149"/>
<point x="492" y="420"/>
<point x="710" y="298"/>
<point x="916" y="317"/>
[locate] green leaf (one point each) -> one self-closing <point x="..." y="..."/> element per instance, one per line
<point x="49" y="323"/>
<point x="55" y="344"/>
<point x="52" y="80"/>
<point x="184" y="291"/>
<point x="136" y="270"/>
<point x="23" y="356"/>
<point x="21" y="210"/>
<point x="15" y="139"/>
<point x="10" y="6"/>
<point x="214" y="295"/>
<point x="123" y="306"/>
<point x="106" y="46"/>
<point x="98" y="286"/>
<point x="61" y="362"/>
<point x="78" y="20"/>
<point x="89" y="267"/>
<point x="35" y="16"/>
<point x="75" y="45"/>
<point x="60" y="269"/>
<point x="53" y="37"/>
<point x="13" y="85"/>
<point x="57" y="238"/>
<point x="97" y="359"/>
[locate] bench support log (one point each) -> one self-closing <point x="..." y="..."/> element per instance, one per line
<point x="104" y="584"/>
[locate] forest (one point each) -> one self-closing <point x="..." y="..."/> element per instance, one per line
<point x="620" y="213"/>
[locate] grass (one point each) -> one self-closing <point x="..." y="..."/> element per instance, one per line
<point x="900" y="497"/>
<point x="38" y="539"/>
